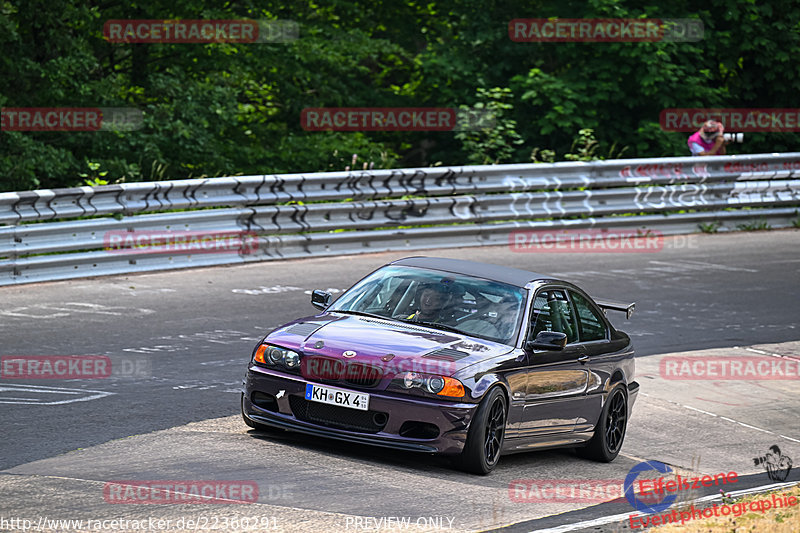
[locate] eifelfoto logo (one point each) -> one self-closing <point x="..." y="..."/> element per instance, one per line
<point x="775" y="463"/>
<point x="648" y="502"/>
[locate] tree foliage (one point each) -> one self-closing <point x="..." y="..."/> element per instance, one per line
<point x="228" y="109"/>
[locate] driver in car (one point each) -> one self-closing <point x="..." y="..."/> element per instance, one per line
<point x="431" y="301"/>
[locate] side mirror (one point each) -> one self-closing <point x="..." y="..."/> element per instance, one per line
<point x="547" y="340"/>
<point x="321" y="299"/>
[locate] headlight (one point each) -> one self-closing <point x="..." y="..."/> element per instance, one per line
<point x="411" y="380"/>
<point x="291" y="359"/>
<point x="435" y="384"/>
<point x="439" y="385"/>
<point x="259" y="356"/>
<point x="275" y="355"/>
<point x="267" y="354"/>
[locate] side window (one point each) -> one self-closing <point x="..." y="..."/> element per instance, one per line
<point x="552" y="312"/>
<point x="591" y="324"/>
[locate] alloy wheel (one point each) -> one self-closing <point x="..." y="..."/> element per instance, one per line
<point x="495" y="425"/>
<point x="615" y="422"/>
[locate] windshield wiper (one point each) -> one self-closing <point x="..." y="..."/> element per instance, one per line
<point x="360" y="313"/>
<point x="435" y="325"/>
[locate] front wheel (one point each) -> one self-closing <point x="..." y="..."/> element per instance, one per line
<point x="485" y="436"/>
<point x="609" y="432"/>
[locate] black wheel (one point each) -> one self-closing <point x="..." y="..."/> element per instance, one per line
<point x="485" y="436"/>
<point x="253" y="424"/>
<point x="610" y="430"/>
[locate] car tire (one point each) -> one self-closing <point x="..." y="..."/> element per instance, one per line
<point x="253" y="424"/>
<point x="485" y="436"/>
<point x="609" y="432"/>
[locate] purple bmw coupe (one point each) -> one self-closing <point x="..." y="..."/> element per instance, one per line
<point x="454" y="357"/>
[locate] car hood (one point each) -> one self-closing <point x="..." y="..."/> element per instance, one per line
<point x="394" y="346"/>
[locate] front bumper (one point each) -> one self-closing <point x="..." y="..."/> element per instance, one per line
<point x="287" y="410"/>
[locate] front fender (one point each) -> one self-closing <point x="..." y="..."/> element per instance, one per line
<point x="479" y="378"/>
<point x="486" y="382"/>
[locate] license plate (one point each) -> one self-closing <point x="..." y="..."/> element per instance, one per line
<point x="342" y="398"/>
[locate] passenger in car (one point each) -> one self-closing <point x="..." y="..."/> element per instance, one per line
<point x="431" y="301"/>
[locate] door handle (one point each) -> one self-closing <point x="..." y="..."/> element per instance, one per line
<point x="583" y="359"/>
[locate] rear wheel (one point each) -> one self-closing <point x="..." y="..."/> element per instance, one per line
<point x="485" y="436"/>
<point x="609" y="432"/>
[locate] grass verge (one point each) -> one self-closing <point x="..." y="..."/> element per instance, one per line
<point x="773" y="520"/>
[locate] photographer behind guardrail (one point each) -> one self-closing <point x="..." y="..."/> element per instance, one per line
<point x="711" y="139"/>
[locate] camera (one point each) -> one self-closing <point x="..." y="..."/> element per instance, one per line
<point x="734" y="137"/>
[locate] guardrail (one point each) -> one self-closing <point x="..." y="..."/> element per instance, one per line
<point x="296" y="215"/>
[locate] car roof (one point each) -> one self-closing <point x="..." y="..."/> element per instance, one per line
<point x="513" y="276"/>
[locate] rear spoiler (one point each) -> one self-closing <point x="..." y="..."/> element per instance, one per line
<point x="616" y="306"/>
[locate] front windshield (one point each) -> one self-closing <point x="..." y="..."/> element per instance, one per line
<point x="474" y="306"/>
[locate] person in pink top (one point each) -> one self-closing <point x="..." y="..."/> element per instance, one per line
<point x="708" y="140"/>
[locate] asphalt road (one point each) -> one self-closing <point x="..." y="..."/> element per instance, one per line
<point x="186" y="336"/>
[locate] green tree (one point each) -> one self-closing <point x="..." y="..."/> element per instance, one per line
<point x="226" y="109"/>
